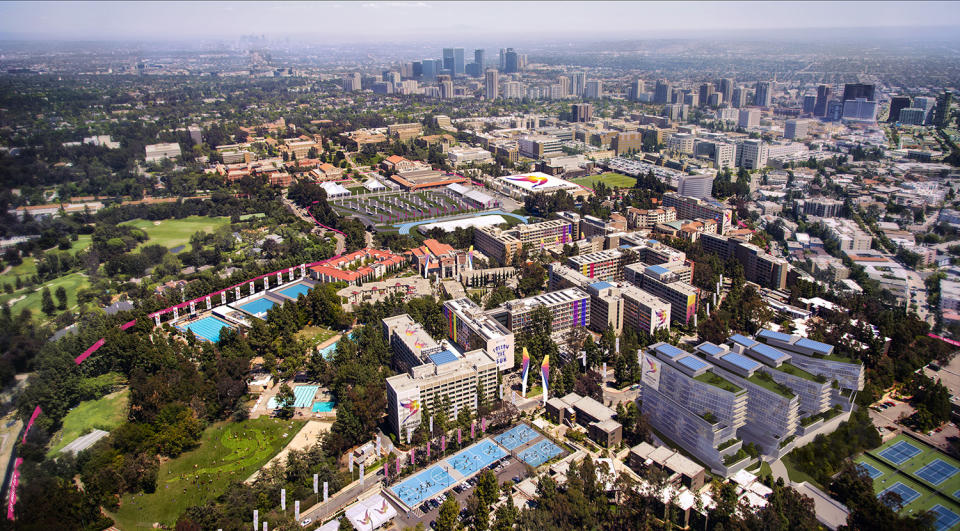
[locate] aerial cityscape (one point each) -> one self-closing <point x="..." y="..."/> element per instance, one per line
<point x="480" y="265"/>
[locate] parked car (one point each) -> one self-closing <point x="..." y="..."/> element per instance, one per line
<point x="305" y="522"/>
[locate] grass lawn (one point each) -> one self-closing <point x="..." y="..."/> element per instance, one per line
<point x="227" y="452"/>
<point x="612" y="180"/>
<point x="797" y="476"/>
<point x="315" y="334"/>
<point x="71" y="283"/>
<point x="105" y="414"/>
<point x="83" y="241"/>
<point x="25" y="270"/>
<point x="172" y="233"/>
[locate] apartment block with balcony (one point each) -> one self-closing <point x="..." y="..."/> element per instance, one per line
<point x="569" y="308"/>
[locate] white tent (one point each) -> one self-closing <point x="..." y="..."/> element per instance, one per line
<point x="334" y="189"/>
<point x="373" y="185"/>
<point x="371" y="513"/>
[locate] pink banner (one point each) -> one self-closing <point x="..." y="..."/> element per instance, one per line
<point x="128" y="324"/>
<point x="33" y="417"/>
<point x="949" y="341"/>
<point x="91" y="350"/>
<point x="14" y="481"/>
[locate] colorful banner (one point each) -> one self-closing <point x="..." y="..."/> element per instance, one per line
<point x="14" y="481"/>
<point x="33" y="417"/>
<point x="86" y="354"/>
<point x="545" y="373"/>
<point x="525" y="367"/>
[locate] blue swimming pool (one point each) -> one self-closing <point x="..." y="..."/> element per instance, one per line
<point x="302" y="396"/>
<point x="476" y="457"/>
<point x="322" y="407"/>
<point x="424" y="485"/>
<point x="295" y="290"/>
<point x="207" y="328"/>
<point x="258" y="307"/>
<point x="328" y="350"/>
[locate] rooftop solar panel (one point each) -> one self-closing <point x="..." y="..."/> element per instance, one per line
<point x="768" y="352"/>
<point x="660" y="270"/>
<point x="710" y="348"/>
<point x="779" y="336"/>
<point x="443" y="357"/>
<point x="743" y="340"/>
<point x="669" y="350"/>
<point x="693" y="363"/>
<point x="817" y="346"/>
<point x="742" y="362"/>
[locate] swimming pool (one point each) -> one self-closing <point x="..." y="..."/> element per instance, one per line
<point x="476" y="457"/>
<point x="207" y="328"/>
<point x="322" y="407"/>
<point x="424" y="485"/>
<point x="295" y="290"/>
<point x="258" y="307"/>
<point x="328" y="350"/>
<point x="302" y="396"/>
<point x="539" y="453"/>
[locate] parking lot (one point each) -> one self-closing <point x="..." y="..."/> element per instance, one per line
<point x="888" y="416"/>
<point x="513" y="469"/>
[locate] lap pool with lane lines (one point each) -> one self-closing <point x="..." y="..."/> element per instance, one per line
<point x="207" y="328"/>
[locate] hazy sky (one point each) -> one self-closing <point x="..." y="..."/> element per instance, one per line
<point x="409" y="20"/>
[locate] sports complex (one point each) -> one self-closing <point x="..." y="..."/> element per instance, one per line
<point x="924" y="478"/>
<point x="520" y="441"/>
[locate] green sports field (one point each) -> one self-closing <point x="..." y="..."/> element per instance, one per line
<point x="227" y="452"/>
<point x="71" y="283"/>
<point x="104" y="414"/>
<point x="172" y="233"/>
<point x="612" y="180"/>
<point x="912" y="471"/>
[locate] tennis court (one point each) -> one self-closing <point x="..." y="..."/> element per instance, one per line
<point x="539" y="453"/>
<point x="294" y="291"/>
<point x="424" y="485"/>
<point x="476" y="457"/>
<point x="872" y="470"/>
<point x="907" y="494"/>
<point x="936" y="471"/>
<point x="900" y="452"/>
<point x="207" y="328"/>
<point x="516" y="436"/>
<point x="945" y="518"/>
<point x="302" y="396"/>
<point x="257" y="308"/>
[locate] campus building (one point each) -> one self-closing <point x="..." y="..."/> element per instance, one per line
<point x="665" y="284"/>
<point x="471" y="328"/>
<point x="758" y="265"/>
<point x="694" y="208"/>
<point x="503" y="245"/>
<point x="643" y="311"/>
<point x="439" y="259"/>
<point x="569" y="307"/>
<point x="602" y="265"/>
<point x="817" y="358"/>
<point x="606" y="307"/>
<point x="520" y="186"/>
<point x="358" y="266"/>
<point x="693" y="405"/>
<point x="647" y="219"/>
<point x="573" y="409"/>
<point x="431" y="377"/>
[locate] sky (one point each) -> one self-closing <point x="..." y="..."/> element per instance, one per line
<point x="364" y="21"/>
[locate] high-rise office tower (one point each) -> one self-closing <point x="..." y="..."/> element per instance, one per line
<point x="593" y="90"/>
<point x="739" y="98"/>
<point x="492" y="84"/>
<point x="445" y="83"/>
<point x="941" y="114"/>
<point x="852" y="91"/>
<point x="897" y="104"/>
<point x="503" y="59"/>
<point x="578" y="83"/>
<point x="663" y="92"/>
<point x="512" y="62"/>
<point x="448" y="60"/>
<point x="458" y="61"/>
<point x="706" y="90"/>
<point x="809" y="103"/>
<point x="823" y="96"/>
<point x="726" y="88"/>
<point x="636" y="89"/>
<point x="564" y="84"/>
<point x="479" y="58"/>
<point x="763" y="95"/>
<point x="582" y="112"/>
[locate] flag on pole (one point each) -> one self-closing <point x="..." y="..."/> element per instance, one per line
<point x="443" y="443"/>
<point x="545" y="373"/>
<point x="283" y="499"/>
<point x="525" y="367"/>
<point x="315" y="483"/>
<point x="483" y="425"/>
<point x="459" y="436"/>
